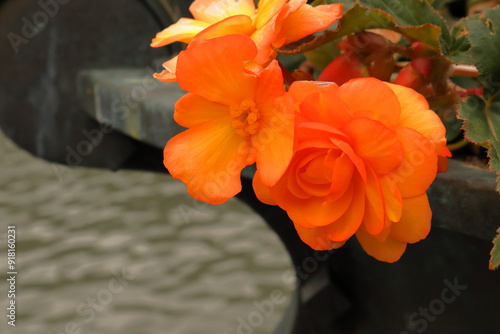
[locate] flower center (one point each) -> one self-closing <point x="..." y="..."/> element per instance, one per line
<point x="245" y="117"/>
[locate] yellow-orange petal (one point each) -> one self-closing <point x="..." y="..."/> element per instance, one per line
<point x="419" y="166"/>
<point x="262" y="192"/>
<point x="208" y="158"/>
<point x="267" y="11"/>
<point x="182" y="31"/>
<point x="307" y="20"/>
<point x="238" y="24"/>
<point x="168" y="75"/>
<point x="316" y="238"/>
<point x="192" y="109"/>
<point x="370" y="94"/>
<point x="345" y="226"/>
<point x="375" y="143"/>
<point x="214" y="69"/>
<point x="389" y="250"/>
<point x="211" y="11"/>
<point x="415" y="114"/>
<point x="415" y="223"/>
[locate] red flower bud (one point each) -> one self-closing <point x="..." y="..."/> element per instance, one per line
<point x="409" y="77"/>
<point x="345" y="67"/>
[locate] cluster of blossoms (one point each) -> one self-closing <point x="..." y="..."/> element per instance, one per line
<point x="354" y="159"/>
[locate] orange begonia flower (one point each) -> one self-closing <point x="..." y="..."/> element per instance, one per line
<point x="365" y="153"/>
<point x="273" y="23"/>
<point x="234" y="118"/>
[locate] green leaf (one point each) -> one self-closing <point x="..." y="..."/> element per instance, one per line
<point x="482" y="125"/>
<point x="411" y="13"/>
<point x="495" y="252"/>
<point x="361" y="18"/>
<point x="484" y="37"/>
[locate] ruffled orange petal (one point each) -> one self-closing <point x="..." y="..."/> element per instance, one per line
<point x="182" y="31"/>
<point x="375" y="143"/>
<point x="419" y="167"/>
<point x="168" y="75"/>
<point x="326" y="107"/>
<point x="262" y="192"/>
<point x="389" y="250"/>
<point x="208" y="159"/>
<point x="375" y="215"/>
<point x="305" y="21"/>
<point x="302" y="89"/>
<point x="211" y="11"/>
<point x="346" y="225"/>
<point x="415" y="114"/>
<point x="313" y="211"/>
<point x="274" y="141"/>
<point x="370" y="94"/>
<point x="415" y="223"/>
<point x="316" y="238"/>
<point x="392" y="198"/>
<point x="343" y="171"/>
<point x="238" y="24"/>
<point x="200" y="71"/>
<point x="191" y="110"/>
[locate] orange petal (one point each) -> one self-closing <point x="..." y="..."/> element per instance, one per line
<point x="392" y="198"/>
<point x="305" y="21"/>
<point x="214" y="70"/>
<point x="375" y="215"/>
<point x="389" y="250"/>
<point x="370" y="94"/>
<point x="191" y="110"/>
<point x="262" y="192"/>
<point x="343" y="171"/>
<point x="375" y="143"/>
<point x="346" y="225"/>
<point x="316" y="238"/>
<point x="301" y="89"/>
<point x="182" y="31"/>
<point x="415" y="223"/>
<point x="313" y="211"/>
<point x="239" y="24"/>
<point x="419" y="166"/>
<point x="267" y="11"/>
<point x="415" y="113"/>
<point x="326" y="107"/>
<point x="274" y="141"/>
<point x="211" y="11"/>
<point x="168" y="75"/>
<point x="208" y="159"/>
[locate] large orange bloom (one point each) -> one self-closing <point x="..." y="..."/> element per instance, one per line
<point x="365" y="153"/>
<point x="234" y="118"/>
<point x="274" y="22"/>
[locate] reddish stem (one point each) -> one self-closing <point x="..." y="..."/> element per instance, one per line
<point x="287" y="76"/>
